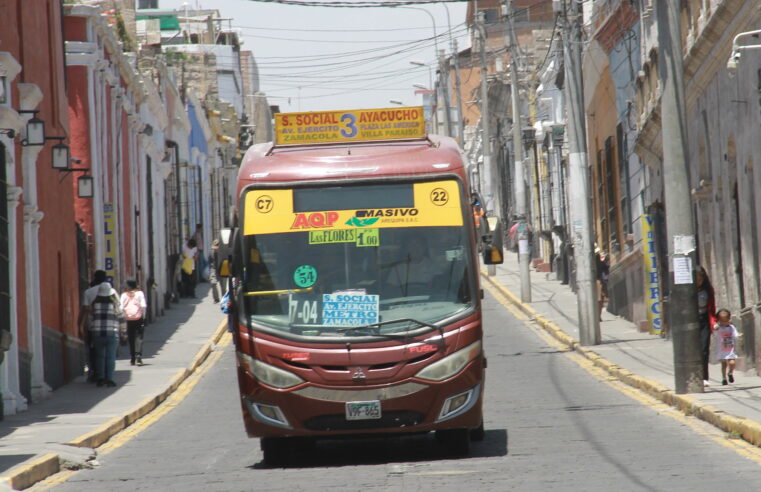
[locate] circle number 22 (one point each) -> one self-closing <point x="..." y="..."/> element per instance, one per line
<point x="439" y="196"/>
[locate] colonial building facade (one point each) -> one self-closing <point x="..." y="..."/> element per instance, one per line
<point x="140" y="158"/>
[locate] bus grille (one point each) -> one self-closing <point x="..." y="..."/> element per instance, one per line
<point x="387" y="421"/>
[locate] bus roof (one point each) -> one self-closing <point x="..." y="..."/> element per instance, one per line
<point x="266" y="163"/>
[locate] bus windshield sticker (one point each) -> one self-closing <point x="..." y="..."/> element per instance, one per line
<point x="305" y="276"/>
<point x="349" y="309"/>
<point x="436" y="204"/>
<point x="302" y="309"/>
<point x="368" y="237"/>
<point x="361" y="237"/>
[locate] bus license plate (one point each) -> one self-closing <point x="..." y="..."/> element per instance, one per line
<point x="363" y="410"/>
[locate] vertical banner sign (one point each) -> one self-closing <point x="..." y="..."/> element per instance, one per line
<point x="652" y="285"/>
<point x="108" y="232"/>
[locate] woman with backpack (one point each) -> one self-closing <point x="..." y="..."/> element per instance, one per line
<point x="134" y="306"/>
<point x="104" y="331"/>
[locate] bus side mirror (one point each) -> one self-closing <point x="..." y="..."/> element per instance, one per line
<point x="235" y="251"/>
<point x="492" y="255"/>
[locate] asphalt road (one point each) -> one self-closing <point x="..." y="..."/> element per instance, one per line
<point x="550" y="425"/>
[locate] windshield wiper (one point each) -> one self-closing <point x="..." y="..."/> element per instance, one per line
<point x="378" y="325"/>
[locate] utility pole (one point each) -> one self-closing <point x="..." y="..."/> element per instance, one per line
<point x="453" y="44"/>
<point x="492" y="182"/>
<point x="683" y="305"/>
<point x="578" y="179"/>
<point x="488" y="175"/>
<point x="519" y="186"/>
<point x="460" y="118"/>
<point x="444" y="76"/>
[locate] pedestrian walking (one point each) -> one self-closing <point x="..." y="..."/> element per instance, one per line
<point x="189" y="256"/>
<point x="85" y="319"/>
<point x="706" y="316"/>
<point x="603" y="272"/>
<point x="134" y="306"/>
<point x="213" y="280"/>
<point x="107" y="318"/>
<point x="201" y="258"/>
<point x="726" y="336"/>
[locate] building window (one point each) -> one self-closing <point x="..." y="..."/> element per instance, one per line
<point x="624" y="187"/>
<point x="610" y="188"/>
<point x="600" y="194"/>
<point x="491" y="16"/>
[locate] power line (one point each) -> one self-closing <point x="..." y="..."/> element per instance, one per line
<point x="355" y="41"/>
<point x="289" y="29"/>
<point x="355" y="5"/>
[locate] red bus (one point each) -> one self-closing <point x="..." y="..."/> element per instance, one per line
<point x="357" y="301"/>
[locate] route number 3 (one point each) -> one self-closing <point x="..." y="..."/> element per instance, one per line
<point x="350" y="125"/>
<point x="439" y="196"/>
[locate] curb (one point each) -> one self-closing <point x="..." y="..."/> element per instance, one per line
<point x="39" y="468"/>
<point x="32" y="471"/>
<point x="747" y="429"/>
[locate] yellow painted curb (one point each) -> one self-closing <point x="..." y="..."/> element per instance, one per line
<point x="749" y="430"/>
<point x="32" y="471"/>
<point x="106" y="431"/>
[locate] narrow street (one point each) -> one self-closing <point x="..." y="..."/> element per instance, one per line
<point x="550" y="425"/>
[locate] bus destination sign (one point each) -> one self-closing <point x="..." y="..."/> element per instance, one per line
<point x="359" y="125"/>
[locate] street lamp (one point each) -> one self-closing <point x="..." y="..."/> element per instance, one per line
<point x="737" y="50"/>
<point x="421" y="64"/>
<point x="396" y="101"/>
<point x="421" y="87"/>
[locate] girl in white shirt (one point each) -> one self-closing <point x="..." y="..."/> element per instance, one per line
<point x="726" y="336"/>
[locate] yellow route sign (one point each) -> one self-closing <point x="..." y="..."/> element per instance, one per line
<point x="359" y="125"/>
<point x="271" y="211"/>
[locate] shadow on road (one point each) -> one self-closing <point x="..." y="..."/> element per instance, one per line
<point x="373" y="451"/>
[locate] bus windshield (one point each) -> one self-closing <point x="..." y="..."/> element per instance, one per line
<point x="321" y="260"/>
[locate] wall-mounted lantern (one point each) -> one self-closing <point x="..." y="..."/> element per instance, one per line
<point x="35" y="130"/>
<point x="61" y="156"/>
<point x="85" y="185"/>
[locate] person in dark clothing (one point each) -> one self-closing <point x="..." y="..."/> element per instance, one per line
<point x="706" y="316"/>
<point x="603" y="272"/>
<point x="84" y="320"/>
<point x="189" y="257"/>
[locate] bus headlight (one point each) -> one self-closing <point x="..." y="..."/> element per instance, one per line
<point x="458" y="404"/>
<point x="451" y="364"/>
<point x="268" y="374"/>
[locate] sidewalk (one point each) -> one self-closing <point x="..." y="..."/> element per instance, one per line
<point x="639" y="359"/>
<point x="80" y="416"/>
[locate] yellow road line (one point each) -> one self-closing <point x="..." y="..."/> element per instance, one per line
<point x="142" y="424"/>
<point x="705" y="429"/>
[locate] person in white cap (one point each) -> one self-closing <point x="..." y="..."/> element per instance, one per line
<point x="104" y="331"/>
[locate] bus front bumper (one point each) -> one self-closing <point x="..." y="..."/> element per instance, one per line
<point x="411" y="406"/>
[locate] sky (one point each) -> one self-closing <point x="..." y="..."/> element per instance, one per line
<point x="322" y="58"/>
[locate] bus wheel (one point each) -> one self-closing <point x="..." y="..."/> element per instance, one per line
<point x="456" y="441"/>
<point x="478" y="433"/>
<point x="275" y="451"/>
